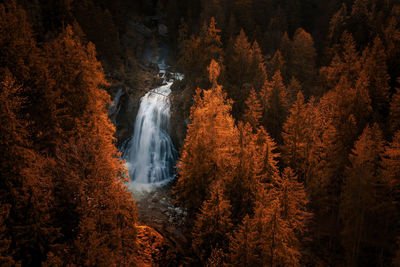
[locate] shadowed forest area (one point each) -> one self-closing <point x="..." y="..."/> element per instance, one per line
<point x="286" y="121"/>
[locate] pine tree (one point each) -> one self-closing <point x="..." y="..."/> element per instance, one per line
<point x="93" y="209"/>
<point x="258" y="66"/>
<point x="213" y="223"/>
<point x="303" y="60"/>
<point x="254" y="110"/>
<point x="209" y="145"/>
<point x="241" y="187"/>
<point x="276" y="63"/>
<point x="264" y="240"/>
<point x="293" y="89"/>
<point x="296" y="138"/>
<point x="391" y="166"/>
<point x="239" y="73"/>
<point x="363" y="199"/>
<point x="197" y="53"/>
<point x="374" y="64"/>
<point x="345" y="62"/>
<point x="275" y="106"/>
<point x="267" y="147"/>
<point x="25" y="187"/>
<point x="337" y="24"/>
<point x="293" y="200"/>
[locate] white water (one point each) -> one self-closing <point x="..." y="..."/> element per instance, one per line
<point x="150" y="153"/>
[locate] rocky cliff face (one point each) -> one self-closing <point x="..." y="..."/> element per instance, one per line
<point x="137" y="76"/>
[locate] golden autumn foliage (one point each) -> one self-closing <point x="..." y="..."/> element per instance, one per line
<point x="62" y="187"/>
<point x="213" y="223"/>
<point x="291" y="155"/>
<point x="364" y="200"/>
<point x="210" y="140"/>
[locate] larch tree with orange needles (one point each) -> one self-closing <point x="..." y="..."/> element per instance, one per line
<point x="209" y="145"/>
<point x="363" y="207"/>
<point x="265" y="239"/>
<point x="27" y="227"/>
<point x="253" y="113"/>
<point x="275" y="106"/>
<point x="95" y="212"/>
<point x="213" y="223"/>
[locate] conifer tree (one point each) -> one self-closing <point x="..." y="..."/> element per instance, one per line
<point x="264" y="240"/>
<point x="209" y="145"/>
<point x="276" y="63"/>
<point x="93" y="209"/>
<point x="258" y="66"/>
<point x="303" y="60"/>
<point x="293" y="200"/>
<point x="293" y="89"/>
<point x="254" y="110"/>
<point x="267" y="147"/>
<point x="374" y="64"/>
<point x="363" y="197"/>
<point x="391" y="166"/>
<point x="345" y="62"/>
<point x="239" y="73"/>
<point x="296" y="138"/>
<point x="241" y="187"/>
<point x="25" y="186"/>
<point x="198" y="52"/>
<point x="285" y="52"/>
<point x="213" y="223"/>
<point x="275" y="106"/>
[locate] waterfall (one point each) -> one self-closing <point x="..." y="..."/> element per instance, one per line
<point x="150" y="153"/>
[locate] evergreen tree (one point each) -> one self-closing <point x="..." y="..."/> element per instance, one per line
<point x="276" y="63"/>
<point x="293" y="89"/>
<point x="264" y="240"/>
<point x="296" y="137"/>
<point x="239" y="73"/>
<point x="254" y="110"/>
<point x="198" y="52"/>
<point x="245" y="70"/>
<point x="209" y="145"/>
<point x="345" y="62"/>
<point x="374" y="64"/>
<point x="258" y="66"/>
<point x="213" y="223"/>
<point x="241" y="187"/>
<point x="269" y="156"/>
<point x="25" y="186"/>
<point x="275" y="106"/>
<point x="363" y="200"/>
<point x="302" y="64"/>
<point x="293" y="200"/>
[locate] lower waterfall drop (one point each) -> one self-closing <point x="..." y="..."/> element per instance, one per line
<point x="150" y="153"/>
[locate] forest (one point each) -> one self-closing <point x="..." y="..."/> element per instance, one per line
<point x="272" y="125"/>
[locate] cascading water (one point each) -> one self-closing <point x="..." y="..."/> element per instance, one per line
<point x="150" y="153"/>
